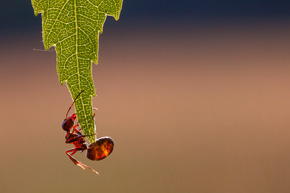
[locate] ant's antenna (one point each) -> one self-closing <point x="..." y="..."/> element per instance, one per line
<point x="73" y="102"/>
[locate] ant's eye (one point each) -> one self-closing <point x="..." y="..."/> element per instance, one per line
<point x="100" y="149"/>
<point x="73" y="117"/>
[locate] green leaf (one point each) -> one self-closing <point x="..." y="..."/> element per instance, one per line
<point x="73" y="27"/>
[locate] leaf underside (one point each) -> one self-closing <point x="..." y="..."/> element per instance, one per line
<point x="73" y="27"/>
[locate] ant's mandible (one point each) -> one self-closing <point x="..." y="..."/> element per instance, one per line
<point x="95" y="151"/>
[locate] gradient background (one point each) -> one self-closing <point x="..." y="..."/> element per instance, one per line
<point x="195" y="94"/>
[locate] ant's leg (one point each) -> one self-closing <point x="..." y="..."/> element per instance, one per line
<point x="78" y="131"/>
<point x="95" y="109"/>
<point x="75" y="130"/>
<point x="76" y="162"/>
<point x="71" y="152"/>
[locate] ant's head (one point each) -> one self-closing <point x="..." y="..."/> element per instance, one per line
<point x="68" y="123"/>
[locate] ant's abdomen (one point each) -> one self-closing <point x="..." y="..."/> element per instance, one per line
<point x="100" y="149"/>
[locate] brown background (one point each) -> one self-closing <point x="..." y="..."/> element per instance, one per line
<point x="201" y="110"/>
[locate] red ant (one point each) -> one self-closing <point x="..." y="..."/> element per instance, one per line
<point x="95" y="151"/>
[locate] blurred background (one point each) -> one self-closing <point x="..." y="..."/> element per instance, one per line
<point x="195" y="94"/>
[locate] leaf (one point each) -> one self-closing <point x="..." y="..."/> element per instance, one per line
<point x="73" y="27"/>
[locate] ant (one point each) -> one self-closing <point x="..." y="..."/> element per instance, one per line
<point x="96" y="151"/>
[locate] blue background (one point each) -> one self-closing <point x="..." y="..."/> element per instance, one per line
<point x="18" y="15"/>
